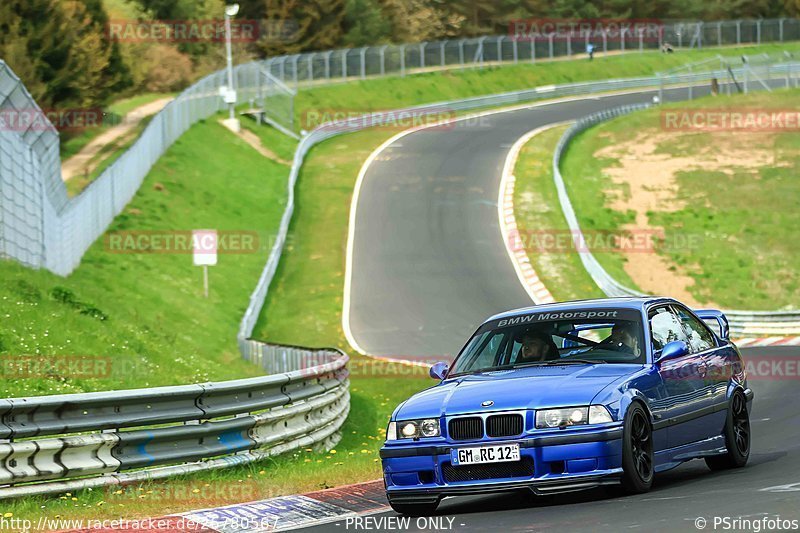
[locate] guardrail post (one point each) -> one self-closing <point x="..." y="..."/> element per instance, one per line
<point x="363" y="62"/>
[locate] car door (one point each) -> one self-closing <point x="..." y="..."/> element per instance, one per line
<point x="684" y="400"/>
<point x="718" y="359"/>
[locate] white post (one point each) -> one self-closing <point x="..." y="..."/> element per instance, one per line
<point x="230" y="11"/>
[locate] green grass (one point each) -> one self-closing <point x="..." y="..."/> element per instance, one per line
<point x="126" y="105"/>
<point x="305" y="301"/>
<point x="158" y="329"/>
<point x="394" y="92"/>
<point x="539" y="216"/>
<point x="73" y="142"/>
<point x="733" y="230"/>
<point x="281" y="144"/>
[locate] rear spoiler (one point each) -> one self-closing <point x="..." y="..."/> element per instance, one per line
<point x="714" y="315"/>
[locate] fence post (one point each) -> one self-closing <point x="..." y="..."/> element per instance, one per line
<point x="550" y="39"/>
<point x="691" y="84"/>
<point x="402" y="60"/>
<point x="738" y="32"/>
<point x="605" y="42"/>
<point x="382" y="53"/>
<point x="328" y="64"/>
<point x="363" y="62"/>
<point x="569" y="46"/>
<point x="344" y="64"/>
<point x="514" y="45"/>
<point x="622" y="39"/>
<point x="641" y="40"/>
<point x="719" y="33"/>
<point x="500" y="49"/>
<point x="295" y="59"/>
<point x="311" y="68"/>
<point x="441" y="53"/>
<point x="283" y="69"/>
<point x="780" y="28"/>
<point x="422" y="54"/>
<point x="533" y="49"/>
<point x="461" y="52"/>
<point x="758" y="31"/>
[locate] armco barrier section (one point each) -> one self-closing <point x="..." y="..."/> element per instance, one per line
<point x="742" y="323"/>
<point x="74" y="441"/>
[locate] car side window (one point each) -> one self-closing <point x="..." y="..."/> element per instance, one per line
<point x="665" y="327"/>
<point x="488" y="355"/>
<point x="700" y="338"/>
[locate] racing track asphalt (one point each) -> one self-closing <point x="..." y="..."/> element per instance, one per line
<point x="769" y="486"/>
<point x="428" y="259"/>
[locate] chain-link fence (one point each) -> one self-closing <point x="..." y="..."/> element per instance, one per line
<point x="43" y="228"/>
<point x="340" y="65"/>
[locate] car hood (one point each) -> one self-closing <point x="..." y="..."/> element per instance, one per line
<point x="533" y="387"/>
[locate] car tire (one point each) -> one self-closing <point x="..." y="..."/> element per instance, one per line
<point x="638" y="468"/>
<point x="737" y="436"/>
<point x="414" y="509"/>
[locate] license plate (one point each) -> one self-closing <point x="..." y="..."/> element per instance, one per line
<point x="498" y="453"/>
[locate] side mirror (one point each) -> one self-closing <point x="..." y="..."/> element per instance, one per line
<point x="673" y="350"/>
<point x="439" y="370"/>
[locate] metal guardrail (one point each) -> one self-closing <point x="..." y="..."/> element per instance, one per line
<point x="742" y="323"/>
<point x="108" y="438"/>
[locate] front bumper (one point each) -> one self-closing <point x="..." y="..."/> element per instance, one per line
<point x="560" y="461"/>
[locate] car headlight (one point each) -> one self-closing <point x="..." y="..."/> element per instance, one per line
<point x="572" y="416"/>
<point x="413" y="429"/>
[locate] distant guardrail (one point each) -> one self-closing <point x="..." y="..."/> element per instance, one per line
<point x="68" y="442"/>
<point x="742" y="323"/>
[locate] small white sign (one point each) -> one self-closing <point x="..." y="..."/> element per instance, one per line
<point x="204" y="243"/>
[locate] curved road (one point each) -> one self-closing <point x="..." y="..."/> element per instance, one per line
<point x="428" y="261"/>
<point x="769" y="486"/>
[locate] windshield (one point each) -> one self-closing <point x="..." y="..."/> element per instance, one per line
<point x="572" y="337"/>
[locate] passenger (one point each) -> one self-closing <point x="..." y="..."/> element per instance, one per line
<point x="624" y="338"/>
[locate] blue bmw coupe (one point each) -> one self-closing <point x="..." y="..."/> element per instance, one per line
<point x="570" y="396"/>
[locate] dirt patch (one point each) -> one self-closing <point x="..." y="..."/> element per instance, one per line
<point x="645" y="180"/>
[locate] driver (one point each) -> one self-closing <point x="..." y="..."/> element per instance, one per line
<point x="623" y="338"/>
<point x="536" y="346"/>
